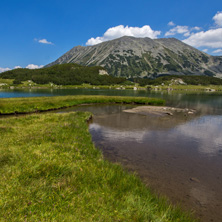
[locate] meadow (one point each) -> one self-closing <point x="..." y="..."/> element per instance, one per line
<point x="51" y="170"/>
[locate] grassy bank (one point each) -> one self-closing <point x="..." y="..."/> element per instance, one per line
<point x="190" y="88"/>
<point x="8" y="84"/>
<point x="35" y="104"/>
<point x="51" y="171"/>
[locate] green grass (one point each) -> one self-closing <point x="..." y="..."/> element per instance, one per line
<point x="6" y="81"/>
<point x="36" y="104"/>
<point x="193" y="88"/>
<point x="33" y="85"/>
<point x="51" y="171"/>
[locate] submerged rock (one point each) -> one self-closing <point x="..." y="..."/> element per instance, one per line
<point x="158" y="110"/>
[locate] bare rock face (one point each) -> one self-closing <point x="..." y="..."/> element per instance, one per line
<point x="145" y="57"/>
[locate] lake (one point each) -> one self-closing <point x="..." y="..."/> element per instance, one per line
<point x="178" y="156"/>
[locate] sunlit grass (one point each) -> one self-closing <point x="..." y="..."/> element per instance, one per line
<point x="35" y="104"/>
<point x="51" y="171"/>
<point x="192" y="88"/>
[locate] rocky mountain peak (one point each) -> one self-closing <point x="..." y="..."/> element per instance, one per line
<point x="144" y="57"/>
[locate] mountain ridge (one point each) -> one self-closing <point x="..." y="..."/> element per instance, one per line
<point x="144" y="57"/>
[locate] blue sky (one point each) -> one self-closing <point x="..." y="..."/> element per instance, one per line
<point x="37" y="32"/>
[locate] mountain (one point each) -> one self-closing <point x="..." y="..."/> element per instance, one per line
<point x="144" y="57"/>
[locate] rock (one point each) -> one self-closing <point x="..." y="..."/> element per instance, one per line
<point x="193" y="179"/>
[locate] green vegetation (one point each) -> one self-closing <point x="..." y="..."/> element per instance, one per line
<point x="51" y="171"/>
<point x="189" y="88"/>
<point x="77" y="76"/>
<point x="37" y="104"/>
<point x="64" y="74"/>
<point x="188" y="79"/>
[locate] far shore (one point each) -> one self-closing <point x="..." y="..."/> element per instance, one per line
<point x="186" y="88"/>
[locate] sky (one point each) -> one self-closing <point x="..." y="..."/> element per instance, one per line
<point x="34" y="33"/>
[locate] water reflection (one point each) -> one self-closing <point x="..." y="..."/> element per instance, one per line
<point x="204" y="132"/>
<point x="207" y="131"/>
<point x="178" y="156"/>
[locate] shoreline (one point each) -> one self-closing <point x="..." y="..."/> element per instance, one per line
<point x="62" y="176"/>
<point x="41" y="104"/>
<point x="189" y="88"/>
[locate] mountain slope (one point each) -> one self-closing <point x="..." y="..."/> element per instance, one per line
<point x="144" y="57"/>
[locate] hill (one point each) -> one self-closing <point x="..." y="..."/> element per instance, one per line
<point x="144" y="57"/>
<point x="65" y="74"/>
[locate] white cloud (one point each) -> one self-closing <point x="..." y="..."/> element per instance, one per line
<point x="17" y="67"/>
<point x="205" y="50"/>
<point x="178" y="30"/>
<point x="171" y="23"/>
<point x="185" y="30"/>
<point x="32" y="66"/>
<point x="211" y="38"/>
<point x="196" y="28"/>
<point x="4" y="69"/>
<point x="186" y="34"/>
<point x="217" y="51"/>
<point x="44" y="41"/>
<point x="119" y="31"/>
<point x="218" y="19"/>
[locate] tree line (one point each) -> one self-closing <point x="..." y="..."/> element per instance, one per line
<point x="188" y="79"/>
<point x="75" y="74"/>
<point x="63" y="74"/>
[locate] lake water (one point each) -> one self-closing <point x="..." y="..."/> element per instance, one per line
<point x="178" y="156"/>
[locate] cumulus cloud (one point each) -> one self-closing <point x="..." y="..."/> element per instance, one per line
<point x="32" y="66"/>
<point x="196" y="28"/>
<point x="184" y="30"/>
<point x="218" y="19"/>
<point x="17" y="67"/>
<point x="178" y="30"/>
<point x="171" y="23"/>
<point x="205" y="50"/>
<point x="44" y="41"/>
<point x="119" y="31"/>
<point x="4" y="69"/>
<point x="217" y="51"/>
<point x="211" y="38"/>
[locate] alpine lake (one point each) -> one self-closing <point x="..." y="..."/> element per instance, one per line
<point x="178" y="156"/>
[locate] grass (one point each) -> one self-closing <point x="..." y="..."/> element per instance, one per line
<point x="194" y="88"/>
<point x="51" y="171"/>
<point x="37" y="104"/>
<point x="33" y="85"/>
<point x="178" y="87"/>
<point x="6" y="81"/>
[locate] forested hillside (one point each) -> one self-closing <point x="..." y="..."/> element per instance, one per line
<point x="65" y="74"/>
<point x="189" y="80"/>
